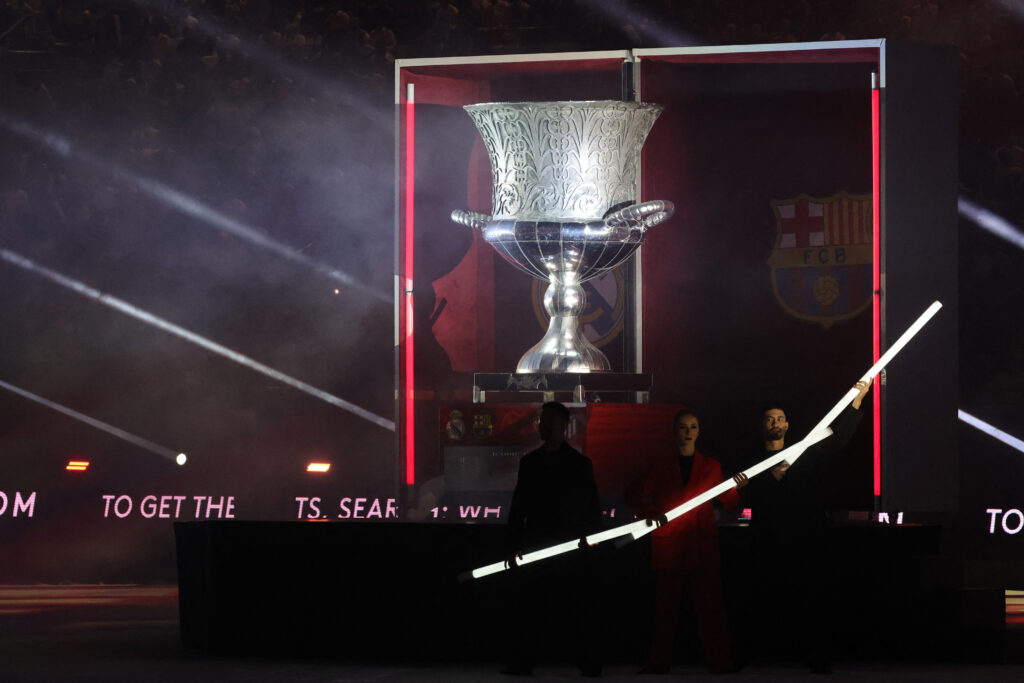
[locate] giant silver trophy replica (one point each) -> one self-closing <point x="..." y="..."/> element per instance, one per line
<point x="564" y="203"/>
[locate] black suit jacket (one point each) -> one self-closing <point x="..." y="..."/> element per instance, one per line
<point x="555" y="499"/>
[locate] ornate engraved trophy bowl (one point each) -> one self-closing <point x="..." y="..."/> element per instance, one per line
<point x="564" y="187"/>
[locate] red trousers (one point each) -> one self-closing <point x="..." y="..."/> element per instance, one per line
<point x="705" y="584"/>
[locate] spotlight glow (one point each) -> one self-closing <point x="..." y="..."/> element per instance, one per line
<point x="991" y="222"/>
<point x="318" y="467"/>
<point x="91" y="421"/>
<point x="149" y="318"/>
<point x="181" y="459"/>
<point x="77" y="465"/>
<point x="994" y="432"/>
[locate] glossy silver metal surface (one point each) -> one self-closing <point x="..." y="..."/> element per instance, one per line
<point x="564" y="186"/>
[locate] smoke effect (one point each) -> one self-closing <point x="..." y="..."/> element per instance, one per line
<point x="639" y="26"/>
<point x="278" y="116"/>
<point x="131" y="138"/>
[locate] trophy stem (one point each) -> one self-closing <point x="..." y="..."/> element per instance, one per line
<point x="564" y="348"/>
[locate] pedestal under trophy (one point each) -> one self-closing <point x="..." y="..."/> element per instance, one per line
<point x="564" y="207"/>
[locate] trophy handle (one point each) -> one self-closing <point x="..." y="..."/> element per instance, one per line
<point x="471" y="219"/>
<point x="643" y="216"/>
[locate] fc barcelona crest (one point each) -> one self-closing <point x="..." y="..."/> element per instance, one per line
<point x="821" y="264"/>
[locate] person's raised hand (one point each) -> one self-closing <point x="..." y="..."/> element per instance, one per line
<point x="779" y="471"/>
<point x="657" y="520"/>
<point x="864" y="387"/>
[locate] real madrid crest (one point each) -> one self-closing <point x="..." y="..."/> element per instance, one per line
<point x="821" y="263"/>
<point x="603" y="317"/>
<point x="455" y="428"/>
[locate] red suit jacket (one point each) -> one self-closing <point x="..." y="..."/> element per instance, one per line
<point x="690" y="541"/>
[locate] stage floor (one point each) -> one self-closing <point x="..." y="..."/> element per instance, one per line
<point x="116" y="634"/>
<point x="150" y="651"/>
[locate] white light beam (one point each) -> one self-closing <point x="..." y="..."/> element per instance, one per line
<point x="991" y="222"/>
<point x="644" y="23"/>
<point x="196" y="209"/>
<point x="994" y="432"/>
<point x="149" y="318"/>
<point x="187" y="205"/>
<point x="231" y="38"/>
<point x="93" y="422"/>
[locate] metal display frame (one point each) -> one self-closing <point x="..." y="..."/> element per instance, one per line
<point x="915" y="246"/>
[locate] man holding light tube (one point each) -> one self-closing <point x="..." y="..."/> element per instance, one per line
<point x="789" y="522"/>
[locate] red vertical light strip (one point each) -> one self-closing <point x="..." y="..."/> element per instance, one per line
<point x="876" y="279"/>
<point x="407" y="280"/>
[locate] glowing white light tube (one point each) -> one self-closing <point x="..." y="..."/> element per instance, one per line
<point x="788" y="454"/>
<point x="149" y="318"/>
<point x="994" y="432"/>
<point x="868" y="376"/>
<point x="640" y="527"/>
<point x="93" y="422"/>
<point x="820" y="431"/>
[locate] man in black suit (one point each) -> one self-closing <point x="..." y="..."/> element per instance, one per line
<point x="789" y="521"/>
<point x="555" y="500"/>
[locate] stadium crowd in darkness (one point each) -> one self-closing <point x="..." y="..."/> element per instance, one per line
<point x="177" y="56"/>
<point x="173" y="77"/>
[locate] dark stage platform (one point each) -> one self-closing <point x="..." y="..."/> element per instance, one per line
<point x="135" y="651"/>
<point x="389" y="591"/>
<point x="127" y="634"/>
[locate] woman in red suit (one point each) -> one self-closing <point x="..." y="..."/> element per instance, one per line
<point x="684" y="553"/>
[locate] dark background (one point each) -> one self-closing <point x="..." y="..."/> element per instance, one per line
<point x="138" y="139"/>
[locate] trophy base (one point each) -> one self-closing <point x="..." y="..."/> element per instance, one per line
<point x="583" y="359"/>
<point x="569" y="387"/>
